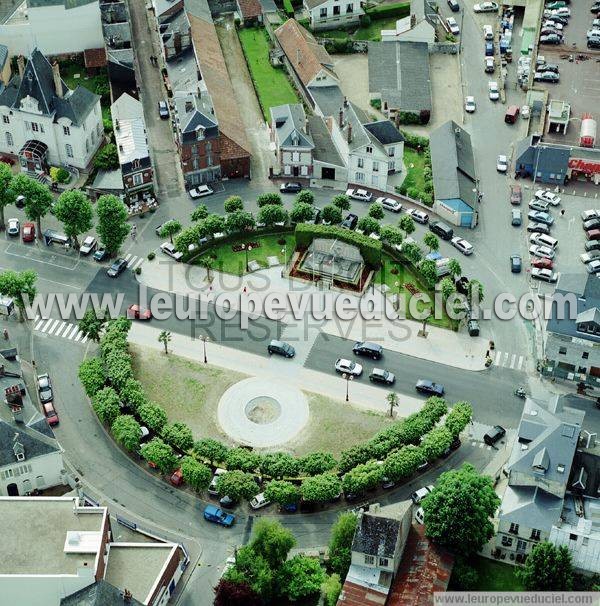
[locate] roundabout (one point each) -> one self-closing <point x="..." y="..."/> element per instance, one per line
<point x="262" y="414"/>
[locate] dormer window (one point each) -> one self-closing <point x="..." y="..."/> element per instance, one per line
<point x="200" y="133"/>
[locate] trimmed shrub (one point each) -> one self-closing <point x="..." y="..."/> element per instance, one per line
<point x="92" y="376"/>
<point x="399" y="9"/>
<point x="288" y="8"/>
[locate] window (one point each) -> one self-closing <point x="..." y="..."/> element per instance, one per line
<point x="572" y="537"/>
<point x="562" y="350"/>
<point x="87" y="146"/>
<point x="360" y="177"/>
<point x="349" y="8"/>
<point x="69" y="150"/>
<point x="137" y="179"/>
<point x="507" y="541"/>
<point x="535" y="534"/>
<point x="66" y="131"/>
<point x="6" y="119"/>
<point x="336" y="10"/>
<point x="585" y="355"/>
<point x="369" y="559"/>
<point x="194" y="150"/>
<point x="383" y="562"/>
<point x="391" y="152"/>
<point x="34" y="127"/>
<point x="304" y="171"/>
<point x="392" y="165"/>
<point x="375" y="166"/>
<point x="9" y="139"/>
<point x="295" y="156"/>
<point x="585" y="541"/>
<point x="521" y="545"/>
<point x="375" y="181"/>
<point x="195" y="163"/>
<point x="369" y="149"/>
<point x="323" y="13"/>
<point x="360" y="162"/>
<point x="514" y="528"/>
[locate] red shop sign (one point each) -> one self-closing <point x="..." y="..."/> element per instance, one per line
<point x="584" y="166"/>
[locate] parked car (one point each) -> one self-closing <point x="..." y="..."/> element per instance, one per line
<point x="516" y="194"/>
<point x="359" y="194"/>
<point x="176" y="478"/>
<point x="536" y="204"/>
<point x="452" y="26"/>
<point x="486" y="7"/>
<point x="454" y="6"/>
<point x="390" y="204"/>
<point x="366" y="348"/>
<point x="546" y="77"/>
<point x="348" y="367"/>
<point x="496" y="433"/>
<point x="200" y="192"/>
<point x="163" y="110"/>
<point x="470" y="105"/>
<point x="592" y="245"/>
<point x="14" y="227"/>
<point x="218" y="516"/>
<point x="586" y="215"/>
<point x="540" y="216"/>
<point x="502" y="163"/>
<point x="550" y="39"/>
<point x="548" y="67"/>
<point x="561" y="12"/>
<point x="594" y="32"/>
<point x="494" y="92"/>
<point x="427" y="387"/>
<point x="489" y="49"/>
<point x="50" y="413"/>
<point x="593" y="234"/>
<point x="169" y="249"/>
<point x="100" y="255"/>
<point x="593" y="267"/>
<point x="553" y="25"/>
<point x="439" y="228"/>
<point x="290" y="188"/>
<point x="19" y="200"/>
<point x="117" y="268"/>
<point x="51" y="236"/>
<point x="591" y="224"/>
<point x="548" y="31"/>
<point x="418" y="215"/>
<point x="462" y="245"/>
<point x="379" y="375"/>
<point x="595" y="8"/>
<point x="88" y="245"/>
<point x="44" y="386"/>
<point x="544" y="240"/>
<point x="420" y="494"/>
<point x="547" y="196"/>
<point x="542" y="263"/>
<point x="281" y="348"/>
<point x="259" y="501"/>
<point x="350" y="221"/>
<point x="135" y="312"/>
<point x="212" y="487"/>
<point x="593" y="43"/>
<point x="516" y="217"/>
<point x="516" y="264"/>
<point x="537" y="250"/>
<point x="28" y="232"/>
<point x="489" y="65"/>
<point x="555" y="18"/>
<point x="541" y="228"/>
<point x="227" y="501"/>
<point x="547" y="275"/>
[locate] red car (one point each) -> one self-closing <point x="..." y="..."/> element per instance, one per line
<point x="515" y="194"/>
<point x="593" y="234"/>
<point x="177" y="477"/>
<point x="28" y="232"/>
<point x="51" y="414"/>
<point x="135" y="312"/>
<point x="542" y="263"/>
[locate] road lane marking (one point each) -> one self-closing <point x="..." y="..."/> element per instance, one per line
<point x="37" y="326"/>
<point x="72" y="332"/>
<point x="60" y="329"/>
<point x="513" y="360"/>
<point x="139" y="262"/>
<point x="53" y="327"/>
<point x="79" y="335"/>
<point x="520" y="363"/>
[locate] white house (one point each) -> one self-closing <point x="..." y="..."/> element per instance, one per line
<point x="44" y="123"/>
<point x="333" y="14"/>
<point x="293" y="143"/>
<point x="419" y="26"/>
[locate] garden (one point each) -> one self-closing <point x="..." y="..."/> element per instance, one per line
<point x="418" y="183"/>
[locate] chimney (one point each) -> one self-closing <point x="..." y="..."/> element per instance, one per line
<point x="341" y="118"/>
<point x="17" y="413"/>
<point x="349" y="133"/>
<point x="117" y="127"/>
<point x="21" y="65"/>
<point x="345" y="101"/>
<point x="127" y="596"/>
<point x="298" y="56"/>
<point x="57" y="82"/>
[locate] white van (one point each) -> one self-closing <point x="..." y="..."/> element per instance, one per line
<point x="544" y="240"/>
<point x="488" y="32"/>
<point x="442" y="267"/>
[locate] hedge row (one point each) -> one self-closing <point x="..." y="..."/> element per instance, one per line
<point x="385" y="11"/>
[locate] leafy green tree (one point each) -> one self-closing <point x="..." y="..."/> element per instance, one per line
<point x="74" y="210"/>
<point x="237" y="485"/>
<point x="342" y="201"/>
<point x="106" y="405"/>
<point x="112" y="224"/>
<point x="459" y="417"/>
<point x="178" y="435"/>
<point x="320" y="488"/>
<point x="431" y="241"/>
<point x="211" y="450"/>
<point x="300" y="577"/>
<point x="447" y="288"/>
<point x="230" y="593"/>
<point x="547" y="568"/>
<point x="331" y="589"/>
<point x="153" y="416"/>
<point x="188" y="237"/>
<point x="92" y="324"/>
<point x="253" y="570"/>
<point x="475" y="291"/>
<point x="279" y="465"/>
<point x="454" y="268"/>
<point x="412" y="251"/>
<point x="243" y="459"/>
<point x="301" y="212"/>
<point x="92" y="376"/>
<point x="464" y="576"/>
<point x="271" y="214"/>
<point x="407" y="224"/>
<point x="392" y="400"/>
<point x="7" y="194"/>
<point x="332" y="214"/>
<point x="268" y="199"/>
<point x="435" y="443"/>
<point x="316" y="463"/>
<point x="368" y="225"/>
<point x="458" y="511"/>
<point x="38" y="199"/>
<point x="107" y="158"/>
<point x="165" y="338"/>
<point x="340" y="543"/>
<point x="127" y="432"/>
<point x="118" y="368"/>
<point x="196" y="474"/>
<point x="402" y="463"/>
<point x="391" y="234"/>
<point x="282" y="492"/>
<point x="199" y="213"/>
<point x="159" y="454"/>
<point x="132" y="394"/>
<point x="272" y="541"/>
<point x="170" y="229"/>
<point x="239" y="220"/>
<point x="305" y="197"/>
<point x="233" y="204"/>
<point x="19" y="286"/>
<point x="355" y="455"/>
<point x="376" y="211"/>
<point x="213" y="224"/>
<point x="428" y="271"/>
<point x="434" y="408"/>
<point x="362" y="477"/>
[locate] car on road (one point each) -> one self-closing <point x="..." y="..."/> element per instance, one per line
<point x="368" y="349"/>
<point x="493" y="91"/>
<point x="418" y="215"/>
<point x="14" y="227"/>
<point x="486" y="7"/>
<point x="117" y="268"/>
<point x="348" y="367"/>
<point x="420" y="494"/>
<point x="516" y="264"/>
<point x="536" y="204"/>
<point x="379" y="375"/>
<point x="390" y="204"/>
<point x="496" y="433"/>
<point x="100" y="255"/>
<point x="550" y="39"/>
<point x="50" y="413"/>
<point x="591" y="224"/>
<point x="169" y="249"/>
<point x="593" y="234"/>
<point x="88" y="245"/>
<point x="462" y="245"/>
<point x="470" y="105"/>
<point x="593" y="267"/>
<point x="200" y="192"/>
<point x="586" y="215"/>
<point x="542" y="263"/>
<point x="44" y="387"/>
<point x="516" y="217"/>
<point x="135" y="312"/>
<point x="425" y="386"/>
<point x="28" y="232"/>
<point x="516" y="194"/>
<point x="213" y="514"/>
<point x="546" y="275"/>
<point x="454" y="6"/>
<point x="540" y="217"/>
<point x="350" y="221"/>
<point x="501" y="163"/>
<point x="540" y="228"/>
<point x="453" y="26"/>
<point x="281" y="348"/>
<point x="359" y="194"/>
<point x="593" y="255"/>
<point x="537" y="250"/>
<point x="163" y="110"/>
<point x="290" y="188"/>
<point x="259" y="501"/>
<point x="489" y="65"/>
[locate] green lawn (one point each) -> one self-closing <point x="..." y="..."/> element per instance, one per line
<point x="272" y="85"/>
<point x="494" y="576"/>
<point x="68" y="71"/>
<point x="235" y="262"/>
<point x="373" y="31"/>
<point x="414" y="176"/>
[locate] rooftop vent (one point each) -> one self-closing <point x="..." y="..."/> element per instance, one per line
<point x="560" y="468"/>
<point x="18" y="448"/>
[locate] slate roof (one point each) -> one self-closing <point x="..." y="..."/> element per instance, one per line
<point x="399" y="71"/>
<point x="385" y="132"/>
<point x="66" y="3"/>
<point x="35" y="443"/>
<point x="3" y="55"/>
<point x="289" y="121"/>
<point x="324" y="150"/>
<point x="100" y="593"/>
<point x="250" y="9"/>
<point x="376" y="535"/>
<point x="530" y="506"/>
<point x="192" y="113"/>
<point x="453" y="164"/>
<point x="313" y="3"/>
<point x="548" y="158"/>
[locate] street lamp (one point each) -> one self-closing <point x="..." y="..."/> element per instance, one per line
<point x="247" y="248"/>
<point x="348" y="378"/>
<point x="284" y="251"/>
<point x="205" y="339"/>
<point x="397" y="285"/>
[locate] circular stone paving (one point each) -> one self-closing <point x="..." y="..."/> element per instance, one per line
<point x="262" y="413"/>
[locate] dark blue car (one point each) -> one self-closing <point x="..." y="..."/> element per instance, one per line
<point x="218" y="516"/>
<point x="489" y="49"/>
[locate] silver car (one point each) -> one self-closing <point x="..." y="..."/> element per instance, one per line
<point x="547" y="275"/>
<point x="348" y="367"/>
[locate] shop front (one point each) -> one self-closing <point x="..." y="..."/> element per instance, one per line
<point x="580" y="169"/>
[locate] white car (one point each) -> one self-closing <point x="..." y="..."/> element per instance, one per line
<point x="390" y="204"/>
<point x="586" y="215"/>
<point x="525" y="112"/>
<point x="462" y="245"/>
<point x="543" y="252"/>
<point x="536" y="204"/>
<point x="547" y="196"/>
<point x="593" y="33"/>
<point x="14" y="227"/>
<point x="593" y="255"/>
<point x="348" y="367"/>
<point x="88" y="245"/>
<point x="486" y="7"/>
<point x="420" y="494"/>
<point x="547" y="275"/>
<point x="494" y="92"/>
<point x="200" y="192"/>
<point x="556" y="26"/>
<point x="170" y="250"/>
<point x="359" y="194"/>
<point x="502" y="164"/>
<point x="453" y="26"/>
<point x="259" y="501"/>
<point x="418" y="215"/>
<point x="229" y="563"/>
<point x="470" y="105"/>
<point x="212" y="487"/>
<point x="593" y="267"/>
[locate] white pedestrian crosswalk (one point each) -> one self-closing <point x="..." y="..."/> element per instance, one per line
<point x="59" y="328"/>
<point x="506" y="359"/>
<point x="133" y="261"/>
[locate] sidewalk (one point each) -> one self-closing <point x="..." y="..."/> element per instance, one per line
<point x="302" y="303"/>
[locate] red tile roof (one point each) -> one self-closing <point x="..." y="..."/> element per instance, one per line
<point x="357" y="595"/>
<point x="250" y="9"/>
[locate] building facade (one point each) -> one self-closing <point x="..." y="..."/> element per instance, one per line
<point x="293" y="143"/>
<point x="333" y="14"/>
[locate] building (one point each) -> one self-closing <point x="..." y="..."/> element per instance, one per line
<point x="399" y="78"/>
<point x="333" y="14"/>
<point x="545" y="163"/>
<point x="328" y="169"/>
<point x="44" y="122"/>
<point x="419" y="26"/>
<point x="132" y="147"/>
<point x="455" y="180"/>
<point x="4" y="66"/>
<point x="75" y="556"/>
<point x="55" y="27"/>
<point x="293" y="143"/>
<point x="250" y="11"/>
